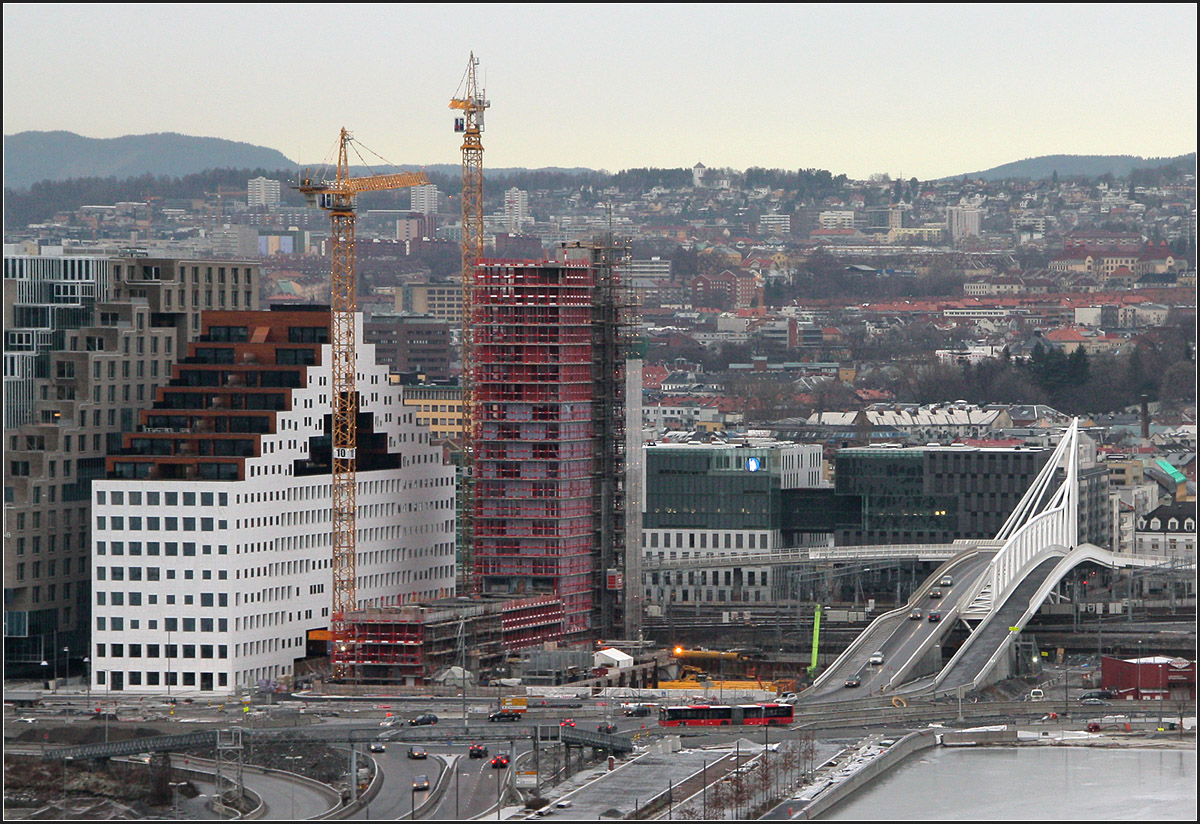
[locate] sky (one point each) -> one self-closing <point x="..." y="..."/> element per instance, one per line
<point x="909" y="90"/>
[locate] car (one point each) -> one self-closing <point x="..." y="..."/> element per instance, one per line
<point x="607" y="727"/>
<point x="946" y="581"/>
<point x="477" y="751"/>
<point x="935" y="594"/>
<point x="425" y="719"/>
<point x="1099" y="694"/>
<point x="916" y="615"/>
<point x="567" y="722"/>
<point x="390" y="722"/>
<point x="421" y="782"/>
<point x="853" y="681"/>
<point x="876" y="659"/>
<point x="564" y="804"/>
<point x="417" y="752"/>
<point x="1094" y="702"/>
<point x="636" y="712"/>
<point x="500" y="761"/>
<point x="505" y="715"/>
<point x="934" y="616"/>
<point x="377" y="746"/>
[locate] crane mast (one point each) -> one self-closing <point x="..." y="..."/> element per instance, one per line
<point x="472" y="105"/>
<point x="337" y="198"/>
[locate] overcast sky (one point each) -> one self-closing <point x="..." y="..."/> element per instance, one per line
<point x="912" y="90"/>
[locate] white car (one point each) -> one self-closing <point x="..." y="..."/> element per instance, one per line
<point x="876" y="659"/>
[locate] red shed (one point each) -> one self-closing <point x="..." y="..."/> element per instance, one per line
<point x="1153" y="678"/>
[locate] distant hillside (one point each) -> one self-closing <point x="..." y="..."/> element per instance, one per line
<point x="1036" y="168"/>
<point x="31" y="157"/>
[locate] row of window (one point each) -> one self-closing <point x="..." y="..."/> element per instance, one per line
<point x="154" y="523"/>
<point x="118" y="573"/>
<point x="738" y="540"/>
<point x="155" y="679"/>
<point x="118" y="498"/>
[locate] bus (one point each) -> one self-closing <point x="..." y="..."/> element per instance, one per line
<point x="705" y="715"/>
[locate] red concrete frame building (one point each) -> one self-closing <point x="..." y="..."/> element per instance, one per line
<point x="536" y="479"/>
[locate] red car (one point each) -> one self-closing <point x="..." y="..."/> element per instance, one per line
<point x="567" y="722"/>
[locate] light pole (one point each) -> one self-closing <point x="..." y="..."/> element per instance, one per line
<point x="498" y="772"/>
<point x="175" y="785"/>
<point x="293" y="782"/>
<point x="66" y="666"/>
<point x="1139" y="670"/>
<point x="87" y="674"/>
<point x="412" y="803"/>
<point x="43" y="665"/>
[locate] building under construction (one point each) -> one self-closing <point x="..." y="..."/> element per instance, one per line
<point x="556" y="412"/>
<point x="552" y="507"/>
<point x="411" y="645"/>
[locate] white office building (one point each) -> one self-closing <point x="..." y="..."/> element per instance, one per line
<point x="213" y="585"/>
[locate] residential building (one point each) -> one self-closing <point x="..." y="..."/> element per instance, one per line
<point x="211" y="553"/>
<point x="425" y="199"/>
<point x="1168" y="532"/>
<point x="962" y="222"/>
<point x="262" y="192"/>
<point x="88" y="341"/>
<point x="516" y="209"/>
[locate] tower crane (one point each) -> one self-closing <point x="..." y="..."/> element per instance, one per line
<point x="337" y="197"/>
<point x="472" y="105"/>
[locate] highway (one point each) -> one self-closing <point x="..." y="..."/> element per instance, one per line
<point x="900" y="638"/>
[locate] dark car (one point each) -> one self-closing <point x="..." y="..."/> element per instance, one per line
<point x="421" y="782"/>
<point x="417" y="752"/>
<point x="500" y="761"/>
<point x="916" y="615"/>
<point x="934" y="616"/>
<point x="1102" y="694"/>
<point x="637" y="712"/>
<point x="935" y="593"/>
<point x="607" y="727"/>
<point x="853" y="681"/>
<point x="567" y="722"/>
<point x="505" y="715"/>
<point x="477" y="751"/>
<point x="425" y="719"/>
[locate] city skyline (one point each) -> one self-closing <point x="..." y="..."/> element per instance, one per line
<point x="913" y="91"/>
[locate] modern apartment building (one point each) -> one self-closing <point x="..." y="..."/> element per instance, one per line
<point x="263" y="192"/>
<point x="88" y="340"/>
<point x="424" y="199"/>
<point x="705" y="501"/>
<point x="211" y="548"/>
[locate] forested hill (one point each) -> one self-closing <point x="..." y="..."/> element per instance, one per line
<point x="1064" y="166"/>
<point x="30" y="157"/>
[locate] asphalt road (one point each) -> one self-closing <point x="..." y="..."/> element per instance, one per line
<point x="905" y="637"/>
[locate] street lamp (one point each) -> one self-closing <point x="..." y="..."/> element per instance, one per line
<point x="44" y="664"/>
<point x="293" y="783"/>
<point x="66" y="664"/>
<point x="175" y="785"/>
<point x="87" y="674"/>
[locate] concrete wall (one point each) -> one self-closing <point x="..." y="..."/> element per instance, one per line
<point x="906" y="746"/>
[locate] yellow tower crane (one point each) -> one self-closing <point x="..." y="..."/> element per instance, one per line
<point x="472" y="105"/>
<point x="337" y="197"/>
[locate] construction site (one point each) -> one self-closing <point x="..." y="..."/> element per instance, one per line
<point x="543" y="459"/>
